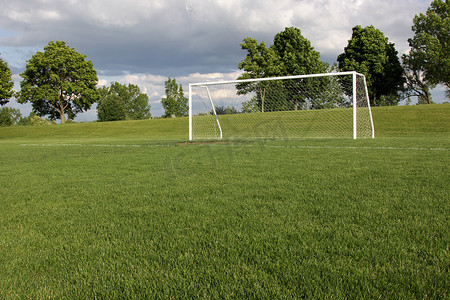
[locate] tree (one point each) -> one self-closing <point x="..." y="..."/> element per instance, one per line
<point x="111" y="108"/>
<point x="260" y="61"/>
<point x="370" y="53"/>
<point x="290" y="54"/>
<point x="332" y="94"/>
<point x="430" y="49"/>
<point x="296" y="55"/>
<point x="250" y="106"/>
<point x="6" y="83"/>
<point x="416" y="85"/>
<point x="9" y="116"/>
<point x="175" y="103"/>
<point x="128" y="99"/>
<point x="59" y="81"/>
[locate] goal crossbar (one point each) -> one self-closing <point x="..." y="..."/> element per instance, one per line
<point x="275" y="78"/>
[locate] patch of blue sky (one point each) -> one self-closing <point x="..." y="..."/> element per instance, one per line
<point x="17" y="57"/>
<point x="7" y="33"/>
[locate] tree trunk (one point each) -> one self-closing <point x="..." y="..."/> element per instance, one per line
<point x="427" y="96"/>
<point x="63" y="118"/>
<point x="61" y="113"/>
<point x="263" y="95"/>
<point x="62" y="107"/>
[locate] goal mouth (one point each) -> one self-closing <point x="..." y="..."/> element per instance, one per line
<point x="329" y="105"/>
<point x="189" y="143"/>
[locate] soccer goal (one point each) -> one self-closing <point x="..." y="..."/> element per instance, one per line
<point x="331" y="105"/>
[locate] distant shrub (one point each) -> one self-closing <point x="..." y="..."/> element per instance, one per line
<point x="225" y="110"/>
<point x="34" y="120"/>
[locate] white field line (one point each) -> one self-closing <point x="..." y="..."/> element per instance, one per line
<point x="239" y="145"/>
<point x="355" y="147"/>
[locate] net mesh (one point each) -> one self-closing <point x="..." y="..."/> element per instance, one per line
<point x="311" y="107"/>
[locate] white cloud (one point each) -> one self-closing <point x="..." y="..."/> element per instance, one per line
<point x="191" y="40"/>
<point x="153" y="85"/>
<point x="102" y="82"/>
<point x="208" y="77"/>
<point x="49" y="15"/>
<point x="187" y="36"/>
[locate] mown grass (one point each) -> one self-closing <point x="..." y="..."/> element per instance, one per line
<point x="128" y="212"/>
<point x="144" y="130"/>
<point x="325" y="123"/>
<point x="412" y="121"/>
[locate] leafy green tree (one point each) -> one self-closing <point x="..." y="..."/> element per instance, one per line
<point x="331" y="94"/>
<point x="430" y="50"/>
<point x="6" y="83"/>
<point x="59" y="81"/>
<point x="136" y="105"/>
<point x="111" y="108"/>
<point x="296" y="55"/>
<point x="370" y="53"/>
<point x="174" y="103"/>
<point x="260" y="62"/>
<point x="9" y="116"/>
<point x="133" y="102"/>
<point x="416" y="84"/>
<point x="290" y="54"/>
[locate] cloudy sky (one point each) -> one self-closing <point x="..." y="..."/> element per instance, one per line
<point x="145" y="41"/>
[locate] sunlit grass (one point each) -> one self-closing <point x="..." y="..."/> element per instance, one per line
<point x="116" y="210"/>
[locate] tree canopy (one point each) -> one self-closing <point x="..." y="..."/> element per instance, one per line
<point x="430" y="51"/>
<point x="59" y="81"/>
<point x="174" y="103"/>
<point x="295" y="54"/>
<point x="416" y="84"/>
<point x="290" y="54"/>
<point x="9" y="116"/>
<point x="260" y="61"/>
<point x="6" y="83"/>
<point x="111" y="108"/>
<point x="369" y="52"/>
<point x="120" y="102"/>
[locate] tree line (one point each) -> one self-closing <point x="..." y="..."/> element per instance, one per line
<point x="368" y="51"/>
<point x="60" y="81"/>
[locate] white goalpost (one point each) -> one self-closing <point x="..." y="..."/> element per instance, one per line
<point x="329" y="105"/>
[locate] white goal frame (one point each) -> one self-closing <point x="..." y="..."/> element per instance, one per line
<point x="354" y="75"/>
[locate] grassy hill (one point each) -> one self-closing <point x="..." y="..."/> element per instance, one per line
<point x="413" y="120"/>
<point x="417" y="120"/>
<point x="158" y="129"/>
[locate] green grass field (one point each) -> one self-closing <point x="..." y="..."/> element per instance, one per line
<point x="129" y="210"/>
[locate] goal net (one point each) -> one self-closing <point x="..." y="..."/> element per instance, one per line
<point x="331" y="105"/>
